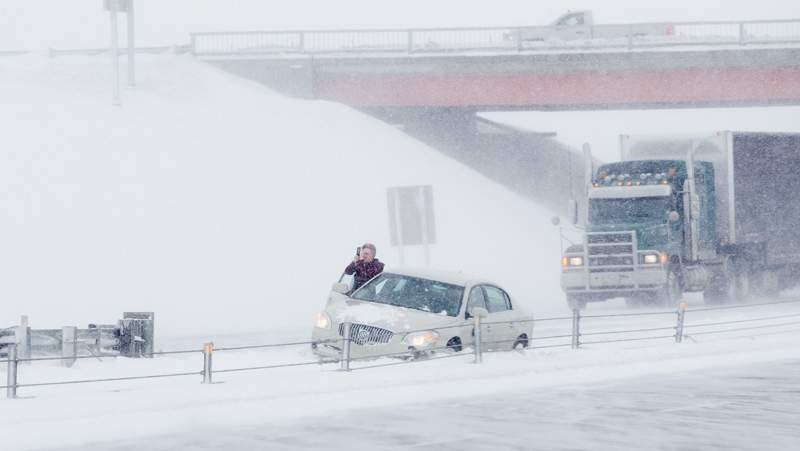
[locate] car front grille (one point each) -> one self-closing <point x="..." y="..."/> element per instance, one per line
<point x="363" y="334"/>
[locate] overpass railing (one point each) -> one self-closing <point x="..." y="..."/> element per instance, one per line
<point x="496" y="39"/>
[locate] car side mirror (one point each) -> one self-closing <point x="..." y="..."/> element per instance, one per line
<point x="480" y="312"/>
<point x="342" y="288"/>
<point x="673" y="216"/>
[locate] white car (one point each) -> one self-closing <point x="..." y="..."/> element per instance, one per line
<point x="413" y="312"/>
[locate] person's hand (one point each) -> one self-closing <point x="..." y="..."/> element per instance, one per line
<point x="356" y="259"/>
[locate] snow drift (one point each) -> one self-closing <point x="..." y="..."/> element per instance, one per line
<point x="220" y="205"/>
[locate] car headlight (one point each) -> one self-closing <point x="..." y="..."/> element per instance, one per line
<point x="322" y="321"/>
<point x="421" y="339"/>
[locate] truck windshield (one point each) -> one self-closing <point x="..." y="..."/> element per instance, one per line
<point x="412" y="292"/>
<point x="634" y="210"/>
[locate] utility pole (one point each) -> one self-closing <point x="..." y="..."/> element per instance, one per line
<point x="113" y="7"/>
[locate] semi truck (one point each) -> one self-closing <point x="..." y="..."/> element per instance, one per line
<point x="579" y="25"/>
<point x="716" y="213"/>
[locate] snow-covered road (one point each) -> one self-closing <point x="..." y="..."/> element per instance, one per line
<point x="748" y="407"/>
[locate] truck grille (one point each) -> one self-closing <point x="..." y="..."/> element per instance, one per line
<point x="363" y="334"/>
<point x="611" y="251"/>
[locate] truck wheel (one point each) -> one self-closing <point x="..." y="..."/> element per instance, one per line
<point x="575" y="303"/>
<point x="742" y="287"/>
<point x="670" y="293"/>
<point x="769" y="283"/>
<point x="720" y="289"/>
<point x="633" y="302"/>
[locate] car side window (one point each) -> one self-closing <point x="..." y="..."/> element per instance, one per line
<point x="476" y="299"/>
<point x="496" y="300"/>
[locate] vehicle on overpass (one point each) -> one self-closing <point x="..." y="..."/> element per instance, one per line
<point x="717" y="214"/>
<point x="575" y="25"/>
<point x="409" y="313"/>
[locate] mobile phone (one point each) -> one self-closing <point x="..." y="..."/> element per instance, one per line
<point x="358" y="251"/>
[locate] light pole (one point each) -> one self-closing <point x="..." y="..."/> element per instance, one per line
<point x="131" y="46"/>
<point x="113" y="7"/>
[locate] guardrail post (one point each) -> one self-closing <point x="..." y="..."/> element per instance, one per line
<point x="576" y="328"/>
<point x="11" y="381"/>
<point x="69" y="345"/>
<point x="23" y="338"/>
<point x="679" y="326"/>
<point x="630" y="37"/>
<point x="478" y="340"/>
<point x="518" y="33"/>
<point x="208" y="351"/>
<point x="301" y="42"/>
<point x="345" y="362"/>
<point x="410" y="41"/>
<point x="741" y="33"/>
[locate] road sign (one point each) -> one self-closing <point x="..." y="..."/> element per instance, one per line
<point x="411" y="219"/>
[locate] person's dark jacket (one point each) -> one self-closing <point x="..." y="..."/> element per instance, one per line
<point x="363" y="271"/>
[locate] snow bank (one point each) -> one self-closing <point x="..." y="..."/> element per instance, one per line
<point x="144" y="409"/>
<point x="220" y="205"/>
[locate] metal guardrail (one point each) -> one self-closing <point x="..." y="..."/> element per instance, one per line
<point x="678" y="325"/>
<point x="495" y="39"/>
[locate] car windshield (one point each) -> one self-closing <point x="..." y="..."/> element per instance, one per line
<point x="634" y="210"/>
<point x="412" y="292"/>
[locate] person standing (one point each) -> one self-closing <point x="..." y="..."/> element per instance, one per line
<point x="364" y="266"/>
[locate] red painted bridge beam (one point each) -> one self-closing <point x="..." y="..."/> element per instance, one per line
<point x="565" y="90"/>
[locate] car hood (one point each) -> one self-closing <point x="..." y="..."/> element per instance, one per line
<point x="397" y="319"/>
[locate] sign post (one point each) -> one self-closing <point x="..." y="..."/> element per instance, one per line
<point x="398" y="227"/>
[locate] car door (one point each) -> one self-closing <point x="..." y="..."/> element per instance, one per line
<point x="502" y="315"/>
<point x="477" y="298"/>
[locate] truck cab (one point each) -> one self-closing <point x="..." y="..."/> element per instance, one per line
<point x="635" y="239"/>
<point x="713" y="212"/>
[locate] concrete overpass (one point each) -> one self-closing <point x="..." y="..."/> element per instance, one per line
<point x="432" y="82"/>
<point x="643" y="79"/>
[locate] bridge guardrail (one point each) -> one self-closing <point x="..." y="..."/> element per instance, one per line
<point x="502" y="39"/>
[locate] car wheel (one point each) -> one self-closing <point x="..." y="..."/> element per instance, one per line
<point x="454" y="344"/>
<point x="521" y="342"/>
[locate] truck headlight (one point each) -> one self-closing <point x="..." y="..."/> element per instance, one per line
<point x="322" y="321"/>
<point x="652" y="259"/>
<point x="576" y="261"/>
<point x="566" y="262"/>
<point x="421" y="339"/>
